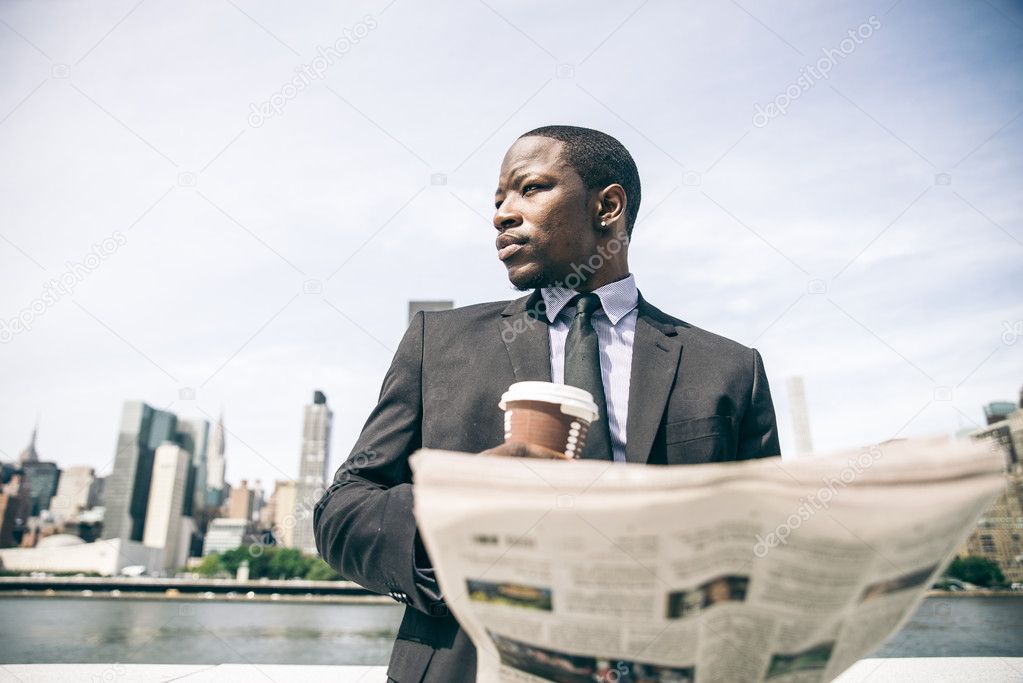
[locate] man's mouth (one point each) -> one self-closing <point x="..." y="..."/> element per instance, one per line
<point x="508" y="245"/>
<point x="505" y="253"/>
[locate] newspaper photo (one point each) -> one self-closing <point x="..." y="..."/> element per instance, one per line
<point x="761" y="570"/>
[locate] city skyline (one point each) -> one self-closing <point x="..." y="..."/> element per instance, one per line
<point x="1013" y="398"/>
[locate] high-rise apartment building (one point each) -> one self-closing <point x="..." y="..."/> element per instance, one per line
<point x="126" y="494"/>
<point x="226" y="534"/>
<point x="999" y="532"/>
<point x="312" y="469"/>
<point x="239" y="502"/>
<point x="42" y="478"/>
<point x="193" y="436"/>
<point x="215" y="465"/>
<point x="166" y="526"/>
<point x="15" y="507"/>
<point x="279" y="513"/>
<point x="77" y="491"/>
<point x="39" y="477"/>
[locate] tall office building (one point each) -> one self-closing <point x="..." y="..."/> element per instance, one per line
<point x="166" y="526"/>
<point x="193" y="436"/>
<point x="258" y="500"/>
<point x="996" y="411"/>
<point x="15" y="507"/>
<point x="29" y="454"/>
<point x="215" y="465"/>
<point x="126" y="492"/>
<point x="997" y="536"/>
<point x="416" y="306"/>
<point x="800" y="416"/>
<point x="41" y="478"/>
<point x="239" y="502"/>
<point x="279" y="513"/>
<point x="77" y="491"/>
<point x="312" y="469"/>
<point x="226" y="534"/>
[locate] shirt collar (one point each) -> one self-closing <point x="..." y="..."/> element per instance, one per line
<point x="617" y="299"/>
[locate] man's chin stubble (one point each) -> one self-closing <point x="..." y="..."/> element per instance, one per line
<point x="529" y="281"/>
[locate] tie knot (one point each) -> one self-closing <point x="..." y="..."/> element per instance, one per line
<point x="586" y="304"/>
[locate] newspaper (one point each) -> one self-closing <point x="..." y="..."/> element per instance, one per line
<point x="770" y="569"/>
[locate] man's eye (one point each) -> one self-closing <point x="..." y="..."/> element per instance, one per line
<point x="528" y="188"/>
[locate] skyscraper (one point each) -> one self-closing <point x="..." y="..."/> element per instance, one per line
<point x="416" y="306"/>
<point x="996" y="411"/>
<point x="193" y="436"/>
<point x="29" y="454"/>
<point x="312" y="469"/>
<point x="15" y="507"/>
<point x="225" y="534"/>
<point x="279" y="513"/>
<point x="126" y="492"/>
<point x="258" y="500"/>
<point x="800" y="416"/>
<point x="42" y="479"/>
<point x="239" y="502"/>
<point x="166" y="527"/>
<point x="215" y="465"/>
<point x="39" y="477"/>
<point x="75" y="492"/>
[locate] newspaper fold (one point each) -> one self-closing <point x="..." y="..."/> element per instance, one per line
<point x="766" y="569"/>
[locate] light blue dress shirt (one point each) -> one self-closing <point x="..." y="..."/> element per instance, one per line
<point x="615" y="324"/>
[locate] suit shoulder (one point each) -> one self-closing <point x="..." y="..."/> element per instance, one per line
<point x="691" y="334"/>
<point x="724" y="344"/>
<point x="462" y="319"/>
<point x="468" y="313"/>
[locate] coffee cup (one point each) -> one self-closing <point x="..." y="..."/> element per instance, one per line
<point x="554" y="416"/>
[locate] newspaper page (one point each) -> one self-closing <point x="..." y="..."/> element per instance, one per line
<point x="761" y="570"/>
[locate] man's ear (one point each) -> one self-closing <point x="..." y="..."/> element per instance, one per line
<point x="612" y="206"/>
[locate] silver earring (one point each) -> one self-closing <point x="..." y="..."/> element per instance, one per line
<point x="603" y="224"/>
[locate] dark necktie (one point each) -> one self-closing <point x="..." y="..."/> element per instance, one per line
<point x="582" y="369"/>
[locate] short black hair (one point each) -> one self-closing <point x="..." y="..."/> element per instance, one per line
<point x="600" y="160"/>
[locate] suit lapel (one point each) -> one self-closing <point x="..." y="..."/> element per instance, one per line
<point x="656" y="353"/>
<point x="523" y="328"/>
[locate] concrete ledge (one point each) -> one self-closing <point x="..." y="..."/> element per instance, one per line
<point x="935" y="670"/>
<point x="193" y="673"/>
<point x="912" y="670"/>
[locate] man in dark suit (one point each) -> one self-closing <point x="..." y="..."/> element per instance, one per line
<point x="668" y="392"/>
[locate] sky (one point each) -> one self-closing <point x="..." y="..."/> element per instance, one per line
<point x="226" y="205"/>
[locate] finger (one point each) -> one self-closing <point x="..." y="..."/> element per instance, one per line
<point x="540" y="452"/>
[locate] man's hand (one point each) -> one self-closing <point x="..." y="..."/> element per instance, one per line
<point x="521" y="449"/>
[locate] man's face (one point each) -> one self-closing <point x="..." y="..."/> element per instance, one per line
<point x="544" y="214"/>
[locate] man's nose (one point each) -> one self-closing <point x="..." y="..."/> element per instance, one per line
<point x="506" y="217"/>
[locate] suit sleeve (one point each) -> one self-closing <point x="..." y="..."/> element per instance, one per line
<point x="758" y="431"/>
<point x="363" y="524"/>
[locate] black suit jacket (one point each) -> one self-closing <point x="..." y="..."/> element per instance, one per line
<point x="694" y="397"/>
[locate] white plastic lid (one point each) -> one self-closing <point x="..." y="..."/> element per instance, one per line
<point x="573" y="400"/>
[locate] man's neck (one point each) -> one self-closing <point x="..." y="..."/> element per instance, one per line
<point x="597" y="282"/>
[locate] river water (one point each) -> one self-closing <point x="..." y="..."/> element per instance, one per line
<point x="55" y="630"/>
